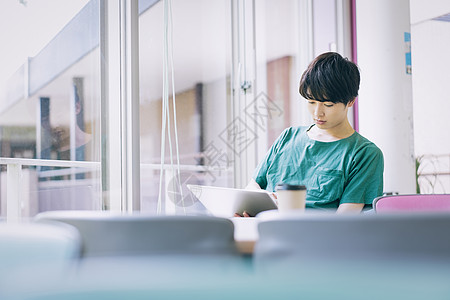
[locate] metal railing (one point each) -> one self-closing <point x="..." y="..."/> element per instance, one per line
<point x="14" y="179"/>
<point x="15" y="184"/>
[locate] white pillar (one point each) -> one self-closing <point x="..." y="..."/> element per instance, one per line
<point x="385" y="96"/>
<point x="120" y="105"/>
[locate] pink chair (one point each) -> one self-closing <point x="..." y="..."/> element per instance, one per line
<point x="412" y="203"/>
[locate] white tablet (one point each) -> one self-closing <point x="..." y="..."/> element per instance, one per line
<point x="225" y="202"/>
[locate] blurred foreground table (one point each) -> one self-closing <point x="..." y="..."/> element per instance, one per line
<point x="188" y="277"/>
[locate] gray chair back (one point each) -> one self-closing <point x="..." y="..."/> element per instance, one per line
<point x="374" y="236"/>
<point x="107" y="234"/>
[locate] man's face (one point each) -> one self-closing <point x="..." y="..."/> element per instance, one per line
<point x="328" y="115"/>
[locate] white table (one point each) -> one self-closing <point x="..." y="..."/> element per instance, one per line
<point x="245" y="233"/>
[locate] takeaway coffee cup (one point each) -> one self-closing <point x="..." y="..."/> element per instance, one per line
<point x="290" y="197"/>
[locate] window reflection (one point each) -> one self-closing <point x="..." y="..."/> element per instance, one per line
<point x="208" y="129"/>
<point x="49" y="106"/>
<point x="201" y="43"/>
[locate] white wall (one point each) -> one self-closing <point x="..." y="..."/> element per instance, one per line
<point x="431" y="67"/>
<point x="430" y="43"/>
<point x="385" y="97"/>
<point x="422" y="10"/>
<point x="406" y="115"/>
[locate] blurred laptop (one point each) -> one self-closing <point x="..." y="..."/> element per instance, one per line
<point x="225" y="202"/>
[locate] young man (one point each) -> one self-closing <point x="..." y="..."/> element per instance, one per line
<point x="341" y="169"/>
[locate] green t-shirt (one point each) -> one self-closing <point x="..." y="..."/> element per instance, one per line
<point x="349" y="170"/>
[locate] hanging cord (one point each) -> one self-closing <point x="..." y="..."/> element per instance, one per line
<point x="178" y="173"/>
<point x="164" y="112"/>
<point x="168" y="63"/>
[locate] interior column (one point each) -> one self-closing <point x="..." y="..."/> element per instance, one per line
<point x="385" y="96"/>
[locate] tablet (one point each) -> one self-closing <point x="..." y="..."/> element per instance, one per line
<point x="225" y="202"/>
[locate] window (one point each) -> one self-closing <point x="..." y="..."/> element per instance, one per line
<point x="50" y="103"/>
<point x="236" y="66"/>
<point x="201" y="69"/>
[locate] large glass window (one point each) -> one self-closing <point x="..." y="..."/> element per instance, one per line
<point x="49" y="105"/>
<point x="201" y="40"/>
<point x="236" y="67"/>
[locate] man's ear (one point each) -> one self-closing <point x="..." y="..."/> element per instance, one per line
<point x="351" y="102"/>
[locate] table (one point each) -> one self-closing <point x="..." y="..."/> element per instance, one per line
<point x="245" y="234"/>
<point x="191" y="277"/>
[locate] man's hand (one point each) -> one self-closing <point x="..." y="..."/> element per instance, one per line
<point x="244" y="214"/>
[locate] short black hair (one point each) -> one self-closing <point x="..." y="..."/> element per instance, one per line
<point x="330" y="77"/>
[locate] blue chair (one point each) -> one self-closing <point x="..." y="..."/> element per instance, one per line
<point x="108" y="234"/>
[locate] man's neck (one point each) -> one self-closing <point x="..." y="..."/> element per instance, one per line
<point x="330" y="135"/>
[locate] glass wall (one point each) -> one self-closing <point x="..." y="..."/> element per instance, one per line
<point x="235" y="64"/>
<point x="201" y="43"/>
<point x="236" y="68"/>
<point x="49" y="107"/>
